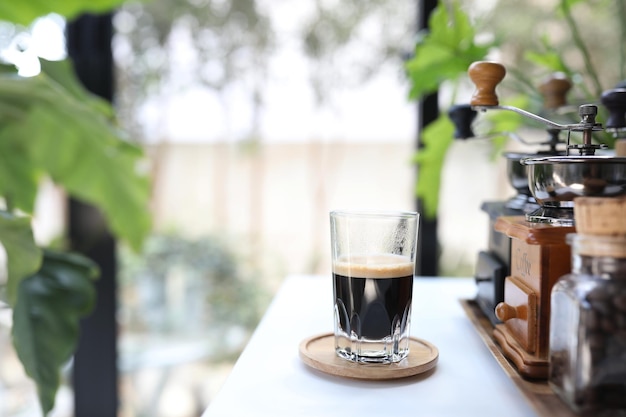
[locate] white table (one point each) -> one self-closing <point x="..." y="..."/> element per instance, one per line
<point x="269" y="378"/>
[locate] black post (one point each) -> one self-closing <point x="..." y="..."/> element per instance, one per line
<point x="428" y="111"/>
<point x="95" y="362"/>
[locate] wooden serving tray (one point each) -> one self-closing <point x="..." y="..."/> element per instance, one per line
<point x="538" y="393"/>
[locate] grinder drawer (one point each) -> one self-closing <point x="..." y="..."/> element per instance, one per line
<point x="518" y="311"/>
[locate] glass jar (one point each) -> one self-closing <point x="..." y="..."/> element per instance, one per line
<point x="588" y="326"/>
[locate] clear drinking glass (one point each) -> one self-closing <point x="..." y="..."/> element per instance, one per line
<point x="373" y="264"/>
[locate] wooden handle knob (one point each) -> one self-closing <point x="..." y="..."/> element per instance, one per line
<point x="554" y="90"/>
<point x="615" y="102"/>
<point x="485" y="75"/>
<point x="506" y="312"/>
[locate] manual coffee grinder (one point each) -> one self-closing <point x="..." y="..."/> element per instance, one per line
<point x="539" y="253"/>
<point x="493" y="264"/>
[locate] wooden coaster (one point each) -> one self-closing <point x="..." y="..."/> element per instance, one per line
<point x="318" y="352"/>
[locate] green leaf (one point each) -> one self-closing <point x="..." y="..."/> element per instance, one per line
<point x="437" y="137"/>
<point x="431" y="66"/>
<point x="445" y="52"/>
<point x="62" y="73"/>
<point x="68" y="134"/>
<point x="46" y="318"/>
<point x="451" y="29"/>
<point x="92" y="165"/>
<point x="25" y="12"/>
<point x="549" y="58"/>
<point x="23" y="255"/>
<point x="19" y="177"/>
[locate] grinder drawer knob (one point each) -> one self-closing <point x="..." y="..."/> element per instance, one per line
<point x="506" y="312"/>
<point x="485" y="75"/>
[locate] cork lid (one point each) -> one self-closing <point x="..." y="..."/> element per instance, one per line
<point x="600" y="216"/>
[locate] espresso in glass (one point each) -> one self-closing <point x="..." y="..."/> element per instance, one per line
<point x="373" y="295"/>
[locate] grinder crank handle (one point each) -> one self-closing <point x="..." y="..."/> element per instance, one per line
<point x="485" y="75"/>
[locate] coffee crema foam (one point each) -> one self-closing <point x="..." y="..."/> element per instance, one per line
<point x="374" y="266"/>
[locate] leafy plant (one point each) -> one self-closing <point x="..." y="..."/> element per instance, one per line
<point x="51" y="127"/>
<point x="441" y="55"/>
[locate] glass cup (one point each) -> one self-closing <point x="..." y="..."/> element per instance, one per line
<point x="373" y="264"/>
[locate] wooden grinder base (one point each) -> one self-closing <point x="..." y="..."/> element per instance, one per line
<point x="529" y="366"/>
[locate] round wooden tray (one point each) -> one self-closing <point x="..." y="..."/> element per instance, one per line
<point x="318" y="352"/>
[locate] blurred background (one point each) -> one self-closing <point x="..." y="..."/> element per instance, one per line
<point x="257" y="118"/>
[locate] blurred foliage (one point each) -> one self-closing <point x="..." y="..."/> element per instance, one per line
<point x="51" y="127"/>
<point x="216" y="290"/>
<point x="168" y="46"/>
<point x="442" y="54"/>
<point x="344" y="47"/>
<point x="229" y="45"/>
